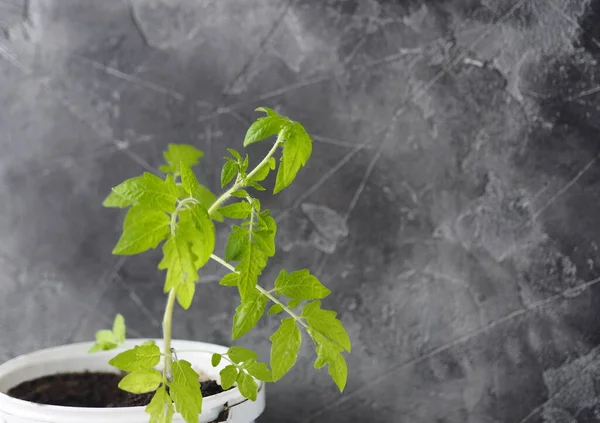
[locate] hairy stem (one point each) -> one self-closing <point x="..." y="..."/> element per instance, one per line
<point x="263" y="292"/>
<point x="241" y="183"/>
<point x="167" y="320"/>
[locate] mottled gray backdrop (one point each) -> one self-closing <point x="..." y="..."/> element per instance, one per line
<point x="452" y="202"/>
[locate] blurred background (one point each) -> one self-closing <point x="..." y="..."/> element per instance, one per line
<point x="451" y="202"/>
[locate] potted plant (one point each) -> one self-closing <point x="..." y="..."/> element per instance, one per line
<point x="165" y="380"/>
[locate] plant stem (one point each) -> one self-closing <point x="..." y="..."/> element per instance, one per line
<point x="240" y="184"/>
<point x="263" y="292"/>
<point x="167" y="333"/>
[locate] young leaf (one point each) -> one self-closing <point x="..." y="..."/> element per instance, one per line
<point x="160" y="407"/>
<point x="188" y="179"/>
<point x="239" y="210"/>
<point x="119" y="329"/>
<point x="237" y="242"/>
<point x="264" y="235"/>
<point x="293" y="303"/>
<point x="178" y="260"/>
<point x="300" y="285"/>
<point x="240" y="193"/>
<point x="262" y="173"/>
<point x="264" y="128"/>
<point x="286" y="342"/>
<point x="230" y="169"/>
<point x="251" y="265"/>
<point x="248" y="313"/>
<point x="150" y="191"/>
<point x="241" y="354"/>
<point x="275" y="309"/>
<point x="326" y="323"/>
<point x="272" y="163"/>
<point x="206" y="199"/>
<point x="139" y="358"/>
<point x="143" y="229"/>
<point x="196" y="225"/>
<point x="185" y="391"/>
<point x="296" y="151"/>
<point x="140" y="382"/>
<point x="185" y="294"/>
<point x="215" y="359"/>
<point x="247" y="386"/>
<point x="236" y="155"/>
<point x="328" y="352"/>
<point x="228" y="376"/>
<point x="260" y="371"/>
<point x="230" y="279"/>
<point x="178" y="153"/>
<point x="115" y="200"/>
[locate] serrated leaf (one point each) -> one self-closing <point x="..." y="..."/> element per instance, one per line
<point x="248" y="313"/>
<point x="229" y="170"/>
<point x="240" y="193"/>
<point x="338" y="370"/>
<point x="119" y="330"/>
<point x="149" y="190"/>
<point x="264" y="235"/>
<point x="235" y="154"/>
<point x="286" y="342"/>
<point x="260" y="371"/>
<point x="228" y="376"/>
<point x="329" y="352"/>
<point x="188" y="179"/>
<point x="262" y="173"/>
<point x="140" y="357"/>
<point x="115" y="200"/>
<point x="185" y="391"/>
<point x="326" y="323"/>
<point x="215" y="359"/>
<point x="247" y="386"/>
<point x="197" y="226"/>
<point x="178" y="260"/>
<point x="178" y="153"/>
<point x="300" y="285"/>
<point x="240" y="210"/>
<point x="185" y="294"/>
<point x="275" y="309"/>
<point x="141" y="382"/>
<point x="143" y="230"/>
<point x="206" y="198"/>
<point x="241" y="354"/>
<point x="105" y="335"/>
<point x="296" y="152"/>
<point x="252" y="262"/>
<point x="293" y="303"/>
<point x="264" y="128"/>
<point x="160" y="407"/>
<point x="230" y="279"/>
<point x="237" y="242"/>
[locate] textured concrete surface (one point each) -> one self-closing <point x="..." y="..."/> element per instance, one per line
<point x="452" y="202"/>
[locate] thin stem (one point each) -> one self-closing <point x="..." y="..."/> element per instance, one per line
<point x="263" y="292"/>
<point x="241" y="183"/>
<point x="204" y="351"/>
<point x="167" y="319"/>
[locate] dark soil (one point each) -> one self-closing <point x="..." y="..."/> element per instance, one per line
<point x="91" y="390"/>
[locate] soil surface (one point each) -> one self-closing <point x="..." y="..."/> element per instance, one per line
<point x="89" y="389"/>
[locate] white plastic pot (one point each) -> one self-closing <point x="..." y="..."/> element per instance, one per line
<point x="75" y="358"/>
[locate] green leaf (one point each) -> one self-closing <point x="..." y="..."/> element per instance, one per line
<point x="293" y="303"/>
<point x="160" y="407"/>
<point x="240" y="210"/>
<point x="241" y="354"/>
<point x="229" y="170"/>
<point x="228" y="376"/>
<point x="115" y="200"/>
<point x="102" y="346"/>
<point x="235" y="154"/>
<point x="188" y="179"/>
<point x="260" y="371"/>
<point x="300" y="285"/>
<point x="140" y="382"/>
<point x="264" y="128"/>
<point x="119" y="330"/>
<point x="178" y="260"/>
<point x="338" y="370"/>
<point x="178" y="153"/>
<point x="296" y="152"/>
<point x="230" y="279"/>
<point x="262" y="173"/>
<point x="185" y="294"/>
<point x="185" y="391"/>
<point x="328" y="352"/>
<point x="264" y="235"/>
<point x="240" y="193"/>
<point x="247" y="386"/>
<point x="143" y="229"/>
<point x="150" y="191"/>
<point x="286" y="342"/>
<point x="140" y="357"/>
<point x="197" y="227"/>
<point x="272" y="163"/>
<point x="256" y="185"/>
<point x="248" y="313"/>
<point x="252" y="262"/>
<point x="215" y="359"/>
<point x="237" y="242"/>
<point x="326" y="323"/>
<point x="275" y="309"/>
<point x="267" y="110"/>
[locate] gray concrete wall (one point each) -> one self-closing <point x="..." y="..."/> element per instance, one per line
<point x="451" y="203"/>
